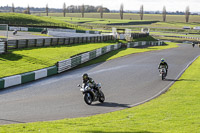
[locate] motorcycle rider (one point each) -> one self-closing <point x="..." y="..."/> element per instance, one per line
<point x="90" y="81"/>
<point x="163" y="64"/>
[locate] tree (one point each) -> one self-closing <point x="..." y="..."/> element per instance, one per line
<point x="13" y="8"/>
<point x="141" y="12"/>
<point x="101" y="11"/>
<point x="164" y="14"/>
<point x="64" y="9"/>
<point x="121" y="11"/>
<point x="187" y="14"/>
<point x="82" y="10"/>
<point x="28" y="10"/>
<point x="47" y="10"/>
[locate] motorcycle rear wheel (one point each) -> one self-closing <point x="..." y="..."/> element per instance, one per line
<point x="163" y="76"/>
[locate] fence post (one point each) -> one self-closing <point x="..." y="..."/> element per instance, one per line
<point x="17" y="43"/>
<point x="78" y="40"/>
<point x="51" y="41"/>
<point x="57" y="41"/>
<point x="74" y="40"/>
<point x="27" y="43"/>
<point x="64" y="41"/>
<point x="6" y="46"/>
<point x="35" y="42"/>
<point x="86" y="40"/>
<point x="43" y="43"/>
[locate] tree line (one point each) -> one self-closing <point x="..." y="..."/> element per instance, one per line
<point x="164" y="13"/>
<point x="100" y="9"/>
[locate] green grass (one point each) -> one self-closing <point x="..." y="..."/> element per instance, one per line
<point x="178" y="110"/>
<point x="32" y="20"/>
<point x="30" y="59"/>
<point x="128" y="16"/>
<point x="150" y="20"/>
<point x="42" y="35"/>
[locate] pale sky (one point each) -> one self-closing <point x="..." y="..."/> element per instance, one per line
<point x="149" y="5"/>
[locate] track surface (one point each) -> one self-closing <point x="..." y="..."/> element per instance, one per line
<point x="32" y="35"/>
<point x="125" y="82"/>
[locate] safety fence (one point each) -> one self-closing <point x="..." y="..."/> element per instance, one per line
<point x="79" y="59"/>
<point x="26" y="43"/>
<point x="27" y="77"/>
<point x="143" y="44"/>
<point x="67" y="64"/>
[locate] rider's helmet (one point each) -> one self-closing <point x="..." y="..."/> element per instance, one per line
<point x="162" y="60"/>
<point x="85" y="76"/>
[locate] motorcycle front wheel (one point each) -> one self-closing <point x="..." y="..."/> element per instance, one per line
<point x="102" y="97"/>
<point x="88" y="98"/>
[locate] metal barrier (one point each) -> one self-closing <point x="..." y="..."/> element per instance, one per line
<point x="80" y="59"/>
<point x="2" y="47"/>
<point x="26" y="43"/>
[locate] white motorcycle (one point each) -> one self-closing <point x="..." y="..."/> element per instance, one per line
<point x="163" y="73"/>
<point x="14" y="32"/>
<point x="90" y="95"/>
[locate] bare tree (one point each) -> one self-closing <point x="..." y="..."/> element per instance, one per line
<point x="187" y="14"/>
<point x="82" y="10"/>
<point x="64" y="9"/>
<point x="101" y="11"/>
<point x="47" y="10"/>
<point x="121" y="11"/>
<point x="141" y="12"/>
<point x="164" y="14"/>
<point x="28" y="10"/>
<point x="13" y="8"/>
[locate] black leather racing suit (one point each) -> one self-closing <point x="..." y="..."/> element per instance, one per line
<point x="163" y="65"/>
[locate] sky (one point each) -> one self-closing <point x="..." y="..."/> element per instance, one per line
<point x="149" y="5"/>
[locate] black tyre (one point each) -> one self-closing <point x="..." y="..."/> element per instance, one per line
<point x="102" y="97"/>
<point x="88" y="98"/>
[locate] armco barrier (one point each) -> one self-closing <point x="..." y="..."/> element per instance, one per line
<point x="79" y="59"/>
<point x="2" y="47"/>
<point x="26" y="43"/>
<point x="143" y="43"/>
<point x="27" y="77"/>
<point x="66" y="64"/>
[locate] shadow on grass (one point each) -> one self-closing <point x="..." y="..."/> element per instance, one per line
<point x="180" y="80"/>
<point x="120" y="132"/>
<point x="12" y="121"/>
<point x="10" y="57"/>
<point x="135" y="23"/>
<point x="111" y="104"/>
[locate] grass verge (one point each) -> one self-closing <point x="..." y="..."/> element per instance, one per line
<point x="30" y="59"/>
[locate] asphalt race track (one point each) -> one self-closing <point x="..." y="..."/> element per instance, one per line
<point x="33" y="35"/>
<point x="126" y="81"/>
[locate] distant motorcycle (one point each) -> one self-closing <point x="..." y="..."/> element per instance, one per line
<point x="14" y="32"/>
<point x="91" y="95"/>
<point x="163" y="73"/>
